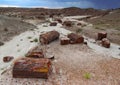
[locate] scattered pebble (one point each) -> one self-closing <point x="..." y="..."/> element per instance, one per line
<point x="1" y="43"/>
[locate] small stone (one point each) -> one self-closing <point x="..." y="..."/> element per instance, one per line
<point x="8" y="58"/>
<point x="52" y="58"/>
<point x="53" y="24"/>
<point x="1" y="43"/>
<point x="85" y="43"/>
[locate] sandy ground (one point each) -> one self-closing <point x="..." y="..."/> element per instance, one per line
<point x="71" y="64"/>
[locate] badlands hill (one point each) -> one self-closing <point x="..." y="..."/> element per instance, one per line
<point x="40" y="12"/>
<point x="10" y="27"/>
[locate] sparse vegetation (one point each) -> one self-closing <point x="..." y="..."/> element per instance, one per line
<point x="5" y="29"/>
<point x="87" y="75"/>
<point x="99" y="27"/>
<point x="34" y="40"/>
<point x="29" y="37"/>
<point x="17" y="45"/>
<point x="1" y="43"/>
<point x="21" y="39"/>
<point x="18" y="50"/>
<point x="78" y="30"/>
<point x="32" y="29"/>
<point x="45" y="26"/>
<point x="118" y="28"/>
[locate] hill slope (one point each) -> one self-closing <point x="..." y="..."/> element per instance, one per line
<point x="11" y="27"/>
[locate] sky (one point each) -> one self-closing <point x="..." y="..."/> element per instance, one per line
<point x="98" y="4"/>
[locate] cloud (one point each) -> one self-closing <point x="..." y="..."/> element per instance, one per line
<point x="82" y="4"/>
<point x="49" y="3"/>
<point x="8" y="6"/>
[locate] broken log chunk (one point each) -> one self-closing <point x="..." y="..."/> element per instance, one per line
<point x="32" y="68"/>
<point x="53" y="24"/>
<point x="1" y="43"/>
<point x="74" y="38"/>
<point x="79" y="24"/>
<point x="8" y="58"/>
<point x="101" y="35"/>
<point x="85" y="43"/>
<point x="35" y="55"/>
<point x="59" y="20"/>
<point x="64" y="41"/>
<point x="49" y="37"/>
<point x="105" y="43"/>
<point x="67" y="23"/>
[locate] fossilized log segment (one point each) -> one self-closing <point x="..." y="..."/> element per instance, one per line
<point x="74" y="38"/>
<point x="64" y="41"/>
<point x="67" y="23"/>
<point x="53" y="24"/>
<point x="105" y="43"/>
<point x="35" y="54"/>
<point x="32" y="68"/>
<point x="49" y="37"/>
<point x="102" y="35"/>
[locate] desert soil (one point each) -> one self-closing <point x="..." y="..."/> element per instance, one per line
<point x="72" y="65"/>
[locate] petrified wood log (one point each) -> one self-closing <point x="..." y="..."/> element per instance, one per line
<point x="64" y="41"/>
<point x="32" y="68"/>
<point x="101" y="35"/>
<point x="105" y="43"/>
<point x="79" y="24"/>
<point x="35" y="55"/>
<point x="74" y="38"/>
<point x="67" y="23"/>
<point x="49" y="37"/>
<point x="59" y="20"/>
<point x="53" y="24"/>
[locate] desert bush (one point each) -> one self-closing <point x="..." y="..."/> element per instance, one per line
<point x="34" y="40"/>
<point x="118" y="28"/>
<point x="87" y="75"/>
<point x="45" y="26"/>
<point x="5" y="29"/>
<point x="29" y="37"/>
<point x="78" y="30"/>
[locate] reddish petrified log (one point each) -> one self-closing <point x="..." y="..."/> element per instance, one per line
<point x="49" y="37"/>
<point x="32" y="68"/>
<point x="74" y="38"/>
<point x="105" y="43"/>
<point x="79" y="24"/>
<point x="67" y="23"/>
<point x="8" y="58"/>
<point x="59" y="20"/>
<point x="36" y="55"/>
<point x="101" y="35"/>
<point x="53" y="24"/>
<point x="64" y="41"/>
